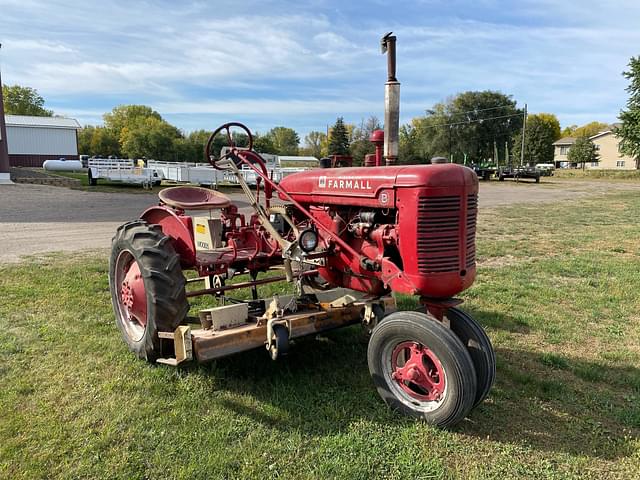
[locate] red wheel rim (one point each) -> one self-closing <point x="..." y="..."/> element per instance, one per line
<point x="131" y="294"/>
<point x="418" y="372"/>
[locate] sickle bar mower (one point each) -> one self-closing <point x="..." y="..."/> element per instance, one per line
<point x="347" y="238"/>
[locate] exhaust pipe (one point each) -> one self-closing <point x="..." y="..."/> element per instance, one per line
<point x="391" y="102"/>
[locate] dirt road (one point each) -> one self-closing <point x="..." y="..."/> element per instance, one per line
<point x="35" y="219"/>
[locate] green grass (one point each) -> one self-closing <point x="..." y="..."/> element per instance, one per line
<point x="597" y="174"/>
<point x="558" y="291"/>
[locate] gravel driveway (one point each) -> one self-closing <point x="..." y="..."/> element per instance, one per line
<point x="36" y="219"/>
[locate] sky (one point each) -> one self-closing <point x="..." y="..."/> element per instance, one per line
<point x="302" y="64"/>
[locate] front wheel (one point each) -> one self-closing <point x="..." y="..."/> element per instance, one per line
<point x="147" y="287"/>
<point x="420" y="368"/>
<point x="477" y="342"/>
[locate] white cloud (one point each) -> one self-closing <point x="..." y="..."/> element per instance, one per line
<point x="196" y="57"/>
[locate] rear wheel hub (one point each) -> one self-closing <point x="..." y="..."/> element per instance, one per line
<point x="132" y="298"/>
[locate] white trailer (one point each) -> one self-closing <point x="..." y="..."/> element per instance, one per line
<point x="127" y="170"/>
<point x="186" y="172"/>
<point x="123" y="170"/>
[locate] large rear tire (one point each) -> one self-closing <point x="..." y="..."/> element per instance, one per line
<point x="147" y="287"/>
<point x="421" y="369"/>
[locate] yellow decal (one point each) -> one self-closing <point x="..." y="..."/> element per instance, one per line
<point x="200" y="228"/>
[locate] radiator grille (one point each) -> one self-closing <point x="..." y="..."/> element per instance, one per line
<point x="472" y="215"/>
<point x="439" y="224"/>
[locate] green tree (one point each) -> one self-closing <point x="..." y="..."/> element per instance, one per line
<point x="185" y="151"/>
<point x="314" y="142"/>
<point x="542" y="130"/>
<point x="142" y="132"/>
<point x="24" y="101"/>
<point x="196" y="142"/>
<point x="285" y="141"/>
<point x="339" y="138"/>
<point x="583" y="151"/>
<point x="263" y="144"/>
<point x="97" y="141"/>
<point x="360" y="143"/>
<point x="586" y="130"/>
<point x="466" y="124"/>
<point x="409" y="145"/>
<point x="569" y="131"/>
<point x="151" y="138"/>
<point x="128" y="117"/>
<point x="629" y="130"/>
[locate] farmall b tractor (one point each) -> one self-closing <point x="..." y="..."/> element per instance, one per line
<point x="348" y="238"/>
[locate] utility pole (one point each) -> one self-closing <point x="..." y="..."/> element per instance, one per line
<point x="506" y="153"/>
<point x="524" y="128"/>
<point x="4" y="151"/>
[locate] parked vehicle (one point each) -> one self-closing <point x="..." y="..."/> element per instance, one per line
<point x="546" y="169"/>
<point x="518" y="173"/>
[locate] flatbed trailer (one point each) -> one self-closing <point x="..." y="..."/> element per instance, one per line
<point x="484" y="173"/>
<point x="518" y="173"/>
<point x="121" y="170"/>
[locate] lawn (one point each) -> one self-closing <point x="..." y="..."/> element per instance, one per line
<point x="608" y="175"/>
<point x="558" y="291"/>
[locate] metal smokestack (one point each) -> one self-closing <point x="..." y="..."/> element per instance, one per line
<point x="391" y="102"/>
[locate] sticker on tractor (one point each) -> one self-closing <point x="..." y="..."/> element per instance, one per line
<point x="344" y="184"/>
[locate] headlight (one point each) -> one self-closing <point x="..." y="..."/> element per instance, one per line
<point x="308" y="240"/>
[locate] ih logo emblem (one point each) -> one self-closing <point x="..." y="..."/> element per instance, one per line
<point x="322" y="182"/>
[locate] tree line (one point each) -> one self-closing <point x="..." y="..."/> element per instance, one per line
<point x="470" y="128"/>
<point x="138" y="131"/>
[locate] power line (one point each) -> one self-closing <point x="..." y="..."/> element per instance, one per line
<point x="475" y="110"/>
<point x="477" y="120"/>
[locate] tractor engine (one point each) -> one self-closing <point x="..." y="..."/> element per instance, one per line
<point x="414" y="225"/>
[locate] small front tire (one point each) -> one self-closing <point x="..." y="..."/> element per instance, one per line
<point x="421" y="369"/>
<point x="477" y="342"/>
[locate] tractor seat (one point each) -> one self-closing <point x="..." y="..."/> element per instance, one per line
<point x="193" y="198"/>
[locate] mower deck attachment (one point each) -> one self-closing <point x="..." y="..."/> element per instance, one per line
<point x="335" y="308"/>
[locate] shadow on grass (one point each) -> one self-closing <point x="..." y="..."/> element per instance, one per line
<point x="561" y="404"/>
<point x="547" y="403"/>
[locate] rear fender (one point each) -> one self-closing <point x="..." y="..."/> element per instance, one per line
<point x="178" y="227"/>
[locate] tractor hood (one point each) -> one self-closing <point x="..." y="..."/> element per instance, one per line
<point x="371" y="186"/>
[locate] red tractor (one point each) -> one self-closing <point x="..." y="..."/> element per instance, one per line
<point x="348" y="238"/>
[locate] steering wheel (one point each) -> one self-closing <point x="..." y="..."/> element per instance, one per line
<point x="217" y="162"/>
